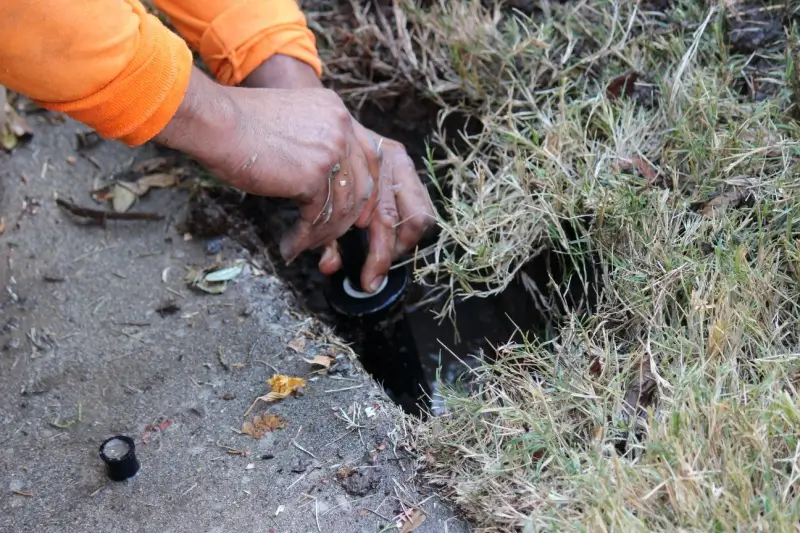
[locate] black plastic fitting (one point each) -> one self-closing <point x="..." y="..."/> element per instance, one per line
<point x="119" y="455"/>
<point x="344" y="291"/>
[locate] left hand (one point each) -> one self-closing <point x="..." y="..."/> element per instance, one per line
<point x="403" y="212"/>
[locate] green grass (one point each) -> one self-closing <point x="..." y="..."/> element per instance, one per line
<point x="695" y="216"/>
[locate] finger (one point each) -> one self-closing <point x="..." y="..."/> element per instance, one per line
<point x="414" y="205"/>
<point x="328" y="216"/>
<point x="371" y="146"/>
<point x="331" y="260"/>
<point x="382" y="237"/>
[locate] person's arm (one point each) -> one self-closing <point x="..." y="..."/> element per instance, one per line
<point x="108" y="64"/>
<point x="234" y="37"/>
<point x="119" y="70"/>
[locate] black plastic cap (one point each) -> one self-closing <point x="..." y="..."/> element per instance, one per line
<point x="124" y="467"/>
<point x="385" y="300"/>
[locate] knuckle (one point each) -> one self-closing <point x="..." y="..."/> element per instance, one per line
<point x="389" y="213"/>
<point x="337" y="142"/>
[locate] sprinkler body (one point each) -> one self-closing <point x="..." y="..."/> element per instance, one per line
<point x="385" y="343"/>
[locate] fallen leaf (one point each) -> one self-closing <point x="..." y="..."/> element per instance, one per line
<point x="102" y="195"/>
<point x="640" y="392"/>
<point x="151" y="429"/>
<point x="282" y="386"/>
<point x="122" y="198"/>
<point x="13" y="127"/>
<point x="160" y="180"/>
<point x="298" y="344"/>
<point x="156" y="164"/>
<point x="26" y="493"/>
<point x="622" y="85"/>
<point x="2" y="225"/>
<point x="319" y="360"/>
<point x="645" y="169"/>
<point x="596" y="366"/>
<point x="642" y="166"/>
<point x="225" y="274"/>
<point x="261" y="424"/>
<point x="733" y="198"/>
<point x="414" y="521"/>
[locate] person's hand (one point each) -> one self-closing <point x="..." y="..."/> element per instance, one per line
<point x="299" y="144"/>
<point x="403" y="212"/>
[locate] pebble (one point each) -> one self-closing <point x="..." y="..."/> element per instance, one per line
<point x="213" y="246"/>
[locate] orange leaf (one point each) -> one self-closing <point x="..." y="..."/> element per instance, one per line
<point x="261" y="424"/>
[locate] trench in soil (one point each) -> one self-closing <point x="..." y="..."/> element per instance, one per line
<point x="409" y="350"/>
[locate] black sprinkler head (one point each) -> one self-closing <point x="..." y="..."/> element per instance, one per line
<point x="344" y="291"/>
<point x="119" y="454"/>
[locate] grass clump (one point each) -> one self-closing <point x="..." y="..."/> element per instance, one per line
<point x="665" y="135"/>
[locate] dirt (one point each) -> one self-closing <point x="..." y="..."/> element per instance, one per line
<point x="102" y="337"/>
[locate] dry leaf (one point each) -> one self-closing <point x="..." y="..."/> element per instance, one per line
<point x="622" y="85"/>
<point x="282" y="386"/>
<point x="2" y="225"/>
<point x="732" y="198"/>
<point x="13" y="127"/>
<point x="641" y="391"/>
<point x="320" y="360"/>
<point x="261" y="424"/>
<point x="161" y="180"/>
<point x="156" y="164"/>
<point x="122" y="198"/>
<point x="642" y="166"/>
<point x="414" y="521"/>
<point x="298" y="344"/>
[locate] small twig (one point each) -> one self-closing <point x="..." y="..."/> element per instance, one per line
<point x="187" y="491"/>
<point x="303" y="449"/>
<point x="222" y="360"/>
<point x="346" y="388"/>
<point x="296" y="481"/>
<point x="97" y="214"/>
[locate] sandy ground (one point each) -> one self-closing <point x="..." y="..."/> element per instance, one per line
<point x="80" y="333"/>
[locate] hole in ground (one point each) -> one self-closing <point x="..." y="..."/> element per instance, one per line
<point x="408" y="348"/>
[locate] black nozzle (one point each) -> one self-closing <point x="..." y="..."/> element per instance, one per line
<point x="344" y="291"/>
<point x="119" y="454"/>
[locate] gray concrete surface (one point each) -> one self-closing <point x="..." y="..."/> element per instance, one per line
<point x="94" y="341"/>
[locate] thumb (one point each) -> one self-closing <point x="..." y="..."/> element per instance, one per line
<point x="295" y="240"/>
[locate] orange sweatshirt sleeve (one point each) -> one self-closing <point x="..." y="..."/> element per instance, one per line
<point x="233" y="37"/>
<point x="106" y="63"/>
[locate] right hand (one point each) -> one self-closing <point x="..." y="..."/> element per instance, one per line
<point x="298" y="144"/>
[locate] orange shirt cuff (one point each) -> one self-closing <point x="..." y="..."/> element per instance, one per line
<point x="137" y="104"/>
<point x="251" y="31"/>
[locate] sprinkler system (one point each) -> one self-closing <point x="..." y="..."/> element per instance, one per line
<point x="379" y="322"/>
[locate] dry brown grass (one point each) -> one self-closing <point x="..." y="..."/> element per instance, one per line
<point x="690" y="184"/>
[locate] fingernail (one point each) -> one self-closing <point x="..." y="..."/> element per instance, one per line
<point x="376" y="284"/>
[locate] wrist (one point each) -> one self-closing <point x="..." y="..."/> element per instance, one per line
<point x="206" y="114"/>
<point x="283" y="72"/>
